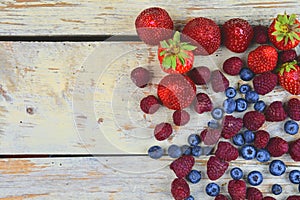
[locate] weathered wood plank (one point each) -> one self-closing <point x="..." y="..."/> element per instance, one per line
<point x="109" y="17"/>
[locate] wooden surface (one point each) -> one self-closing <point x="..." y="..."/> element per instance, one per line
<point x="60" y="107"/>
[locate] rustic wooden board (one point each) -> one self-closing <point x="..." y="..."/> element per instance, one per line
<point x="109" y="17"/>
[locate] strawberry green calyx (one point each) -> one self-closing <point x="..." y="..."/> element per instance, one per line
<point x="287" y="67"/>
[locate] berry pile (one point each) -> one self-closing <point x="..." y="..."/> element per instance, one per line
<point x="238" y="125"/>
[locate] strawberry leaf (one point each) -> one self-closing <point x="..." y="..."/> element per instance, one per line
<point x="285" y="19"/>
<point x="292" y="19"/>
<point x="279" y="37"/>
<point x="286" y="39"/>
<point x="181" y="59"/>
<point x="164" y="44"/>
<point x="291" y="38"/>
<point x="176" y="37"/>
<point x="183" y="54"/>
<point x="167" y="62"/>
<point x="277" y="26"/>
<point x="295" y="35"/>
<point x="174" y="62"/>
<point x="163" y="52"/>
<point x="188" y="47"/>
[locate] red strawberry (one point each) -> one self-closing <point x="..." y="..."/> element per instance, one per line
<point x="140" y="77"/>
<point x="176" y="91"/>
<point x="287" y="56"/>
<point x="293" y="109"/>
<point x="175" y="57"/>
<point x="233" y="65"/>
<point x="253" y="120"/>
<point x="162" y="131"/>
<point x="262" y="59"/>
<point x="210" y="136"/>
<point x="265" y="82"/>
<point x="277" y="146"/>
<point x="230" y="126"/>
<point x="200" y="75"/>
<point x="203" y="33"/>
<point x="284" y="32"/>
<point x="219" y="82"/>
<point x="181" y="117"/>
<point x="289" y="77"/>
<point x="275" y="112"/>
<point x="149" y="104"/>
<point x="202" y="103"/>
<point x="154" y="25"/>
<point x="237" y="189"/>
<point x="261" y="139"/>
<point x="226" y="151"/>
<point x="180" y="189"/>
<point x="216" y="168"/>
<point x="237" y="34"/>
<point x="182" y="165"/>
<point x="254" y="194"/>
<point x="294" y="150"/>
<point x="221" y="197"/>
<point x="260" y="34"/>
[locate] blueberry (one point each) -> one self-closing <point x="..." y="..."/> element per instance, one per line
<point x="186" y="149"/>
<point x="263" y="155"/>
<point x="230" y="92"/>
<point x="236" y="173"/>
<point x="291" y="127"/>
<point x="248" y="136"/>
<point x="194" y="176"/>
<point x="207" y="150"/>
<point x="294" y="176"/>
<point x="217" y="113"/>
<point x="212" y="189"/>
<point x="251" y="97"/>
<point x="255" y="178"/>
<point x="155" y="152"/>
<point x="260" y="106"/>
<point x="248" y="152"/>
<point x="174" y="151"/>
<point x="229" y="105"/>
<point x="244" y="88"/>
<point x="241" y="105"/>
<point x="196" y="151"/>
<point x="194" y="139"/>
<point x="189" y="198"/>
<point x="246" y="74"/>
<point x="238" y="140"/>
<point x="277" y="167"/>
<point x="213" y="124"/>
<point x="276" y="189"/>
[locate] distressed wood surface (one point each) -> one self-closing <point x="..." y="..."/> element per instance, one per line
<point x="109" y="17"/>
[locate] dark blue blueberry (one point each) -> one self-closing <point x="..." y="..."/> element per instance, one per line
<point x="276" y="189"/>
<point x="230" y="92"/>
<point x="229" y="105"/>
<point x="263" y="155"/>
<point x="294" y="176"/>
<point x="196" y="151"/>
<point x="238" y="140"/>
<point x="255" y="178"/>
<point x="212" y="189"/>
<point x="246" y="74"/>
<point x="241" y="105"/>
<point x="248" y="136"/>
<point x="189" y="198"/>
<point x="291" y="127"/>
<point x="174" y="151"/>
<point x="236" y="173"/>
<point x="248" y="152"/>
<point x="186" y="149"/>
<point x="251" y="97"/>
<point x="194" y="139"/>
<point x="207" y="150"/>
<point x="260" y="106"/>
<point x="244" y="88"/>
<point x="155" y="152"/>
<point x="217" y="113"/>
<point x="277" y="167"/>
<point x="194" y="176"/>
<point x="213" y="124"/>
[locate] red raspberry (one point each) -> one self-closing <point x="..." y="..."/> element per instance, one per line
<point x="221" y="197"/>
<point x="294" y="150"/>
<point x="219" y="82"/>
<point x="149" y="104"/>
<point x="140" y="77"/>
<point x="180" y="189"/>
<point x="265" y="82"/>
<point x="275" y="112"/>
<point x="233" y="65"/>
<point x="162" y="131"/>
<point x="200" y="75"/>
<point x="261" y="139"/>
<point x="182" y="165"/>
<point x="253" y="120"/>
<point x="260" y="34"/>
<point x="287" y="56"/>
<point x="294" y="197"/>
<point x="202" y="103"/>
<point x="181" y="117"/>
<point x="293" y="109"/>
<point x="237" y="189"/>
<point x="277" y="146"/>
<point x="226" y="151"/>
<point x="254" y="194"/>
<point x="216" y="168"/>
<point x="268" y="198"/>
<point x="210" y="136"/>
<point x="230" y="126"/>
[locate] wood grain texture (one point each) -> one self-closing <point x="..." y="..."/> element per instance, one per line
<point x="110" y="17"/>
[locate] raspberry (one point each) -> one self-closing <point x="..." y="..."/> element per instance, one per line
<point x="221" y="197"/>
<point x="225" y="151"/>
<point x="140" y="77"/>
<point x="231" y="126"/>
<point x="287" y="56"/>
<point x="275" y="112"/>
<point x="260" y="34"/>
<point x="253" y="120"/>
<point x="162" y="131"/>
<point x="216" y="168"/>
<point x="261" y="139"/>
<point x="265" y="82"/>
<point x="182" y="165"/>
<point x="293" y="197"/>
<point x="181" y="117"/>
<point x="254" y="194"/>
<point x="202" y="103"/>
<point x="210" y="136"/>
<point x="149" y="104"/>
<point x="219" y="82"/>
<point x="180" y="189"/>
<point x="294" y="150"/>
<point x="268" y="198"/>
<point x="200" y="75"/>
<point x="237" y="189"/>
<point x="293" y="109"/>
<point x="277" y="146"/>
<point x="233" y="66"/>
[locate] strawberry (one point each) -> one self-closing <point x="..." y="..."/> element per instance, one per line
<point x="262" y="59"/>
<point x="175" y="57"/>
<point x="183" y="165"/>
<point x="237" y="34"/>
<point x="289" y="77"/>
<point x="284" y="32"/>
<point x="219" y="82"/>
<point x="154" y="25"/>
<point x="203" y="33"/>
<point x="216" y="168"/>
